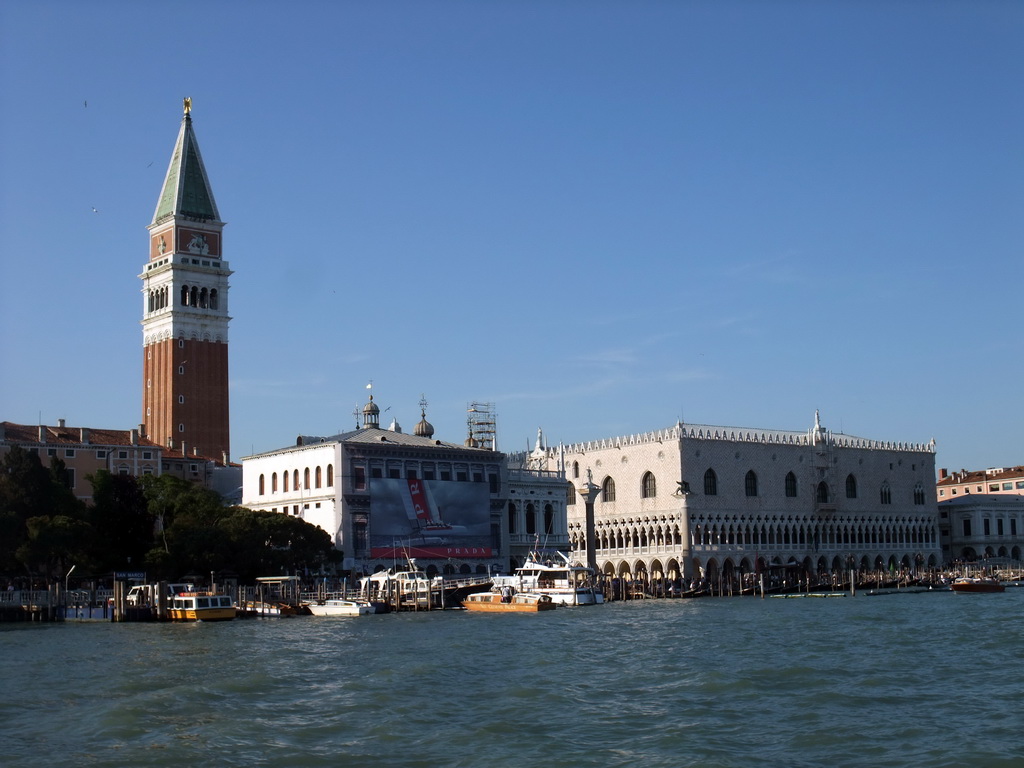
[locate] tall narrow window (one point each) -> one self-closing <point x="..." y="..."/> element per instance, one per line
<point x="305" y="478"/>
<point x="885" y="495"/>
<point x="330" y="475"/>
<point x="273" y="483"/>
<point x="823" y="492"/>
<point x="263" y="481"/>
<point x="750" y="483"/>
<point x="570" y="494"/>
<point x="608" y="490"/>
<point x="648" y="486"/>
<point x="791" y="485"/>
<point x="918" y="494"/>
<point x="851" y="487"/>
<point x="710" y="483"/>
<point x="318" y="477"/>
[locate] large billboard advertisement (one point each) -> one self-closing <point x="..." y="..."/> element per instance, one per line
<point x="429" y="519"/>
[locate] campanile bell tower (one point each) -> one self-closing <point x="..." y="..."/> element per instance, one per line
<point x="185" y="311"/>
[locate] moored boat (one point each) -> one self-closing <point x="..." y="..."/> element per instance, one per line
<point x="555" y="575"/>
<point x="201" y="606"/>
<point x="977" y="584"/>
<point x="403" y="590"/>
<point x="508" y="601"/>
<point x="339" y="607"/>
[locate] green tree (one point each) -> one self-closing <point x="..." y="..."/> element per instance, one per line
<point x="27" y="491"/>
<point x="121" y="518"/>
<point x="53" y="544"/>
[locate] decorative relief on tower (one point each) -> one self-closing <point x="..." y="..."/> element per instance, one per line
<point x="198" y="243"/>
<point x="158" y="245"/>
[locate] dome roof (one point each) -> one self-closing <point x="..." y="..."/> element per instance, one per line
<point x="424" y="428"/>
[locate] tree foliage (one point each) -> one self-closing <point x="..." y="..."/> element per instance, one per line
<point x="164" y="525"/>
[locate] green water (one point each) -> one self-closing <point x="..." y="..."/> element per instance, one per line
<point x="904" y="680"/>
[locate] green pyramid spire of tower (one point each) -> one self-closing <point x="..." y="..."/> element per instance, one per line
<point x="186" y="191"/>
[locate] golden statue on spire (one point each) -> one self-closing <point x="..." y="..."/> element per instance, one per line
<point x="188" y="104"/>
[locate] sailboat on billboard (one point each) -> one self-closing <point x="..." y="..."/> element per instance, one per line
<point x="419" y="506"/>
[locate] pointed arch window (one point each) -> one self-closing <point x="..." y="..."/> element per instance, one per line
<point x="575" y="469"/>
<point x="750" y="483"/>
<point x="851" y="487"/>
<point x="608" y="489"/>
<point x="885" y="495"/>
<point x="919" y="494"/>
<point x="822" y="492"/>
<point x="710" y="483"/>
<point x="570" y="495"/>
<point x="648" y="486"/>
<point x="790" y="485"/>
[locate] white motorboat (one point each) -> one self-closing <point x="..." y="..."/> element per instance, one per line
<point x="554" y="574"/>
<point x="338" y="607"/>
<point x="409" y="589"/>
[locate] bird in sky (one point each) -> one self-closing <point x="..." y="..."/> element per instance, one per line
<point x="94" y="210"/>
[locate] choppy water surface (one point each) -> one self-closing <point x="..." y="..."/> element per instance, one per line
<point x="908" y="680"/>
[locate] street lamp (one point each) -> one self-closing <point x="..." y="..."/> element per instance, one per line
<point x="66" y="583"/>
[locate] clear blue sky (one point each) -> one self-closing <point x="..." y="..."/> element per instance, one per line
<point x="600" y="216"/>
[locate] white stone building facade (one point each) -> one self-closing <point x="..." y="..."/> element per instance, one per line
<point x="355" y="485"/>
<point x="697" y="501"/>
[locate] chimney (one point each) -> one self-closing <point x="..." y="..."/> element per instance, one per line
<point x="42" y="433"/>
<point x="135" y="437"/>
<point x="943" y="473"/>
<point x="224" y="454"/>
<point x="142" y="430"/>
<point x="183" y="454"/>
<point x="60" y="423"/>
<point x="84" y="435"/>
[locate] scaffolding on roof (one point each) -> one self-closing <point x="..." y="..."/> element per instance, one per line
<point x="482" y="427"/>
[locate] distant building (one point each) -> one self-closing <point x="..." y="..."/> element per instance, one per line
<point x="383" y="495"/>
<point x="983" y="527"/>
<point x="185" y="311"/>
<point x="85" y="451"/>
<point x="997" y="480"/>
<point x="722" y="502"/>
<point x="981" y="514"/>
<point x="536" y="510"/>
